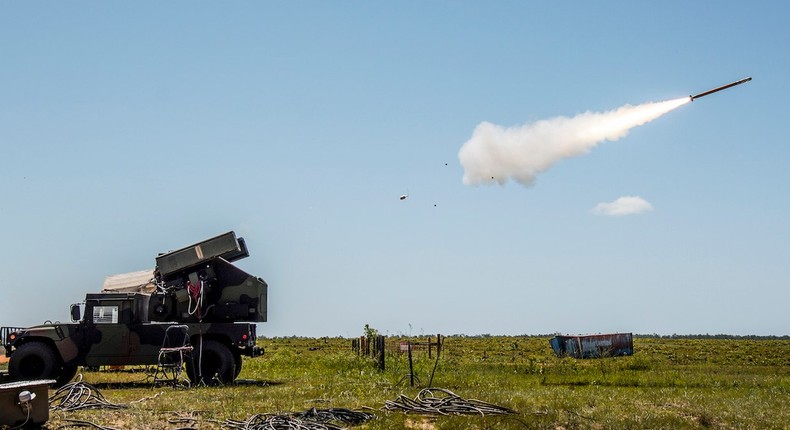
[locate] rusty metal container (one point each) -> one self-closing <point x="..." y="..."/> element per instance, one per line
<point x="593" y="345"/>
<point x="24" y="403"/>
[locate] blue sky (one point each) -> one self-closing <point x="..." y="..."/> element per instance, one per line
<point x="128" y="129"/>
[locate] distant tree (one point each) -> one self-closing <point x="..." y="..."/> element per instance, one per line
<point x="370" y="332"/>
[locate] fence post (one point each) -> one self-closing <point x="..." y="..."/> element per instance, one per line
<point x="380" y="346"/>
<point x="411" y="366"/>
<point x="429" y="347"/>
<point x="438" y="354"/>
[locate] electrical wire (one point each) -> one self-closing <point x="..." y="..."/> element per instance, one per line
<point x="83" y="423"/>
<point x="80" y="395"/>
<point x="196" y="294"/>
<point x="311" y="419"/>
<point x="277" y="422"/>
<point x="446" y="403"/>
<point x="342" y="415"/>
<point x="28" y="408"/>
<point x="189" y="419"/>
<point x="147" y="398"/>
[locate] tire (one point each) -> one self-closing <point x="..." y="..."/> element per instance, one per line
<point x="33" y="360"/>
<point x="67" y="372"/>
<point x="213" y="365"/>
<point x="237" y="362"/>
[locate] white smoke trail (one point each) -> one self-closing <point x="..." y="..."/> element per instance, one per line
<point x="495" y="154"/>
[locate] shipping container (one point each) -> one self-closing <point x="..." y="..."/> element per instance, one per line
<point x="593" y="345"/>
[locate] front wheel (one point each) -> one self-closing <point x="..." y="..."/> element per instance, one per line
<point x="66" y="374"/>
<point x="212" y="364"/>
<point x="32" y="361"/>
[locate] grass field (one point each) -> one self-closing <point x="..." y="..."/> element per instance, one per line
<point x="666" y="384"/>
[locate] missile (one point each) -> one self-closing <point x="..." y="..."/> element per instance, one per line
<point x="723" y="87"/>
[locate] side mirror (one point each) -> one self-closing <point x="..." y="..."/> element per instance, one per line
<point x="75" y="313"/>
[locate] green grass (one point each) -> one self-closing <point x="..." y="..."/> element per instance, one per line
<point x="668" y="383"/>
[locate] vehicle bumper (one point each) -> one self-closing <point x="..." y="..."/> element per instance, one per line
<point x="254" y="351"/>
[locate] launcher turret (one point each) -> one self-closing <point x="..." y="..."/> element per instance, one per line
<point x="200" y="283"/>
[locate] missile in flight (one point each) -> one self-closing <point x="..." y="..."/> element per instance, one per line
<point x="723" y="87"/>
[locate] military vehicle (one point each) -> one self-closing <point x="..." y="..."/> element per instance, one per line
<point x="196" y="290"/>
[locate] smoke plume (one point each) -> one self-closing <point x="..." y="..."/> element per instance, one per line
<point x="496" y="154"/>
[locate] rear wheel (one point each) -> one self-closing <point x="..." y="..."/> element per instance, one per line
<point x="212" y="364"/>
<point x="237" y="362"/>
<point x="33" y="360"/>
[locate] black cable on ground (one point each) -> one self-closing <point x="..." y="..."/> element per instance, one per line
<point x="447" y="403"/>
<point x="80" y="395"/>
<point x="81" y="423"/>
<point x="341" y="415"/>
<point x="311" y="419"/>
<point x="277" y="422"/>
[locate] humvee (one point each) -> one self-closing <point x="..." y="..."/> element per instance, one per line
<point x="212" y="304"/>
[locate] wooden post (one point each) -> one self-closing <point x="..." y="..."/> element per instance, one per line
<point x="438" y="353"/>
<point x="429" y="347"/>
<point x="380" y="341"/>
<point x="411" y="366"/>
